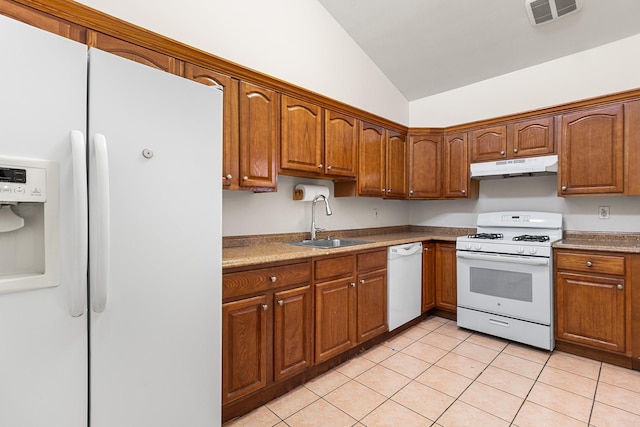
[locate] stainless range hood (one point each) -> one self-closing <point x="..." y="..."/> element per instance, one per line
<point x="529" y="166"/>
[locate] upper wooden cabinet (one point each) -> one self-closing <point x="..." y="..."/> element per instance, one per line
<point x="425" y="166"/>
<point x="372" y="158"/>
<point x="316" y="146"/>
<point x="259" y="130"/>
<point x="396" y="166"/>
<point x="43" y="21"/>
<point x="592" y="152"/>
<point x="525" y="138"/>
<point x="134" y="52"/>
<point x="457" y="182"/>
<point x="230" y="125"/>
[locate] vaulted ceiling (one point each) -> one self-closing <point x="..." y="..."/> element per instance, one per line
<point x="430" y="46"/>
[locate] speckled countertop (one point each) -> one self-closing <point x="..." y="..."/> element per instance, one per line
<point x="245" y="251"/>
<point x="600" y="241"/>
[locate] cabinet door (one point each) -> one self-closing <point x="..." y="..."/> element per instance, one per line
<point x="533" y="137"/>
<point x="230" y="125"/>
<point x="396" y="172"/>
<point x="590" y="310"/>
<point x="425" y="167"/>
<point x="335" y="318"/>
<point x="592" y="152"/>
<point x="456" y="166"/>
<point x="134" y="52"/>
<point x="489" y="144"/>
<point x="258" y="136"/>
<point x="291" y="331"/>
<point x="301" y="146"/>
<point x="371" y="160"/>
<point x="244" y="347"/>
<point x="372" y="304"/>
<point x="428" y="276"/>
<point x="340" y="144"/>
<point x="446" y="277"/>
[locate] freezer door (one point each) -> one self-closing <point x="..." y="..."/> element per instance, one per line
<point x="156" y="282"/>
<point x="43" y="348"/>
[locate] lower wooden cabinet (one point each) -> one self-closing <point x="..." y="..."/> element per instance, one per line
<point x="265" y="337"/>
<point x="446" y="286"/>
<point x="351" y="301"/>
<point x="428" y="276"/>
<point x="592" y="300"/>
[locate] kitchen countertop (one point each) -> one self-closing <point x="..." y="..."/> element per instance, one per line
<point x="253" y="250"/>
<point x="600" y="241"/>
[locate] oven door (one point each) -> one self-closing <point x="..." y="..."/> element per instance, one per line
<point x="509" y="285"/>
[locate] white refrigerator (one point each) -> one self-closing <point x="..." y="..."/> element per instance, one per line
<point x="131" y="333"/>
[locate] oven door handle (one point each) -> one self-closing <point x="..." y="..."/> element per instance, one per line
<point x="511" y="259"/>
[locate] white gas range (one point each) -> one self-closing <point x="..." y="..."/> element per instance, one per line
<point x="505" y="276"/>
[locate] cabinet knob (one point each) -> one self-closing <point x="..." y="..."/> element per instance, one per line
<point x="502" y="153"/>
<point x="515" y="150"/>
<point x="389" y="190"/>
<point x="620" y="286"/>
<point x="463" y="191"/>
<point x="280" y="302"/>
<point x="589" y="264"/>
<point x="426" y="249"/>
<point x="229" y="176"/>
<point x="353" y="284"/>
<point x="361" y="281"/>
<point x="564" y="188"/>
<point x="245" y="178"/>
<point x="320" y="166"/>
<point x="384" y="190"/>
<point x="410" y="191"/>
<point x="329" y="167"/>
<point x="265" y="307"/>
<point x="273" y="279"/>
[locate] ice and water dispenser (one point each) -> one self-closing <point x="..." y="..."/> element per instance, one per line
<point x="29" y="241"/>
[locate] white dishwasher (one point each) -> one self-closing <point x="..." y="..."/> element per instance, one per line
<point x="404" y="283"/>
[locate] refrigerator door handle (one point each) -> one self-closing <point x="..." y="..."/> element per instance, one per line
<point x="101" y="231"/>
<point x="81" y="224"/>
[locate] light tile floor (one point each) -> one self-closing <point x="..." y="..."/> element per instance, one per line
<point x="436" y="374"/>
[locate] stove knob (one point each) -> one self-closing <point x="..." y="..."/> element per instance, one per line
<point x="520" y="250"/>
<point x="532" y="251"/>
<point x="477" y="246"/>
<point x="467" y="246"/>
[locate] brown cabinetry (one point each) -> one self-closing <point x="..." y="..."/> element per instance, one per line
<point x="446" y="287"/>
<point x="350" y="298"/>
<point x="525" y="138"/>
<point x="396" y="166"/>
<point x="266" y="327"/>
<point x="425" y="166"/>
<point x="317" y="141"/>
<point x="457" y="182"/>
<point x="428" y="276"/>
<point x="592" y="300"/>
<point x="372" y="160"/>
<point x="592" y="152"/>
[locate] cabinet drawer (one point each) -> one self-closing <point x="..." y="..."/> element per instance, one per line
<point x="590" y="262"/>
<point x="372" y="260"/>
<point x="260" y="280"/>
<point x="334" y="268"/>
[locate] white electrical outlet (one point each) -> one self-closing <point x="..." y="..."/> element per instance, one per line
<point x="376" y="213"/>
<point x="603" y="212"/>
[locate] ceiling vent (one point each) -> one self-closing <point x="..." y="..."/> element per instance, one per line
<point x="543" y="11"/>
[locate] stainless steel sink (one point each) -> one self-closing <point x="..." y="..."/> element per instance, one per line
<point x="328" y="243"/>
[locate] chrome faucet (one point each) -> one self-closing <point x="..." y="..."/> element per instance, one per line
<point x="315" y="229"/>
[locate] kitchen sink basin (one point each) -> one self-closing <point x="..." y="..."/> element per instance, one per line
<point x="328" y="243"/>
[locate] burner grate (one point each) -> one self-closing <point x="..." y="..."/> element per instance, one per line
<point x="531" y="238"/>
<point x="489" y="236"/>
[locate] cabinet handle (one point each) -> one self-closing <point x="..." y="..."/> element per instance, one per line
<point x="265" y="307"/>
<point x="463" y="191"/>
<point x="410" y="191"/>
<point x="320" y="166"/>
<point x="329" y="167"/>
<point x="389" y="191"/>
<point x="273" y="279"/>
<point x="515" y="150"/>
<point x="589" y="264"/>
<point x="620" y="286"/>
<point x="229" y="176"/>
<point x="280" y="302"/>
<point x="563" y="188"/>
<point x="384" y="190"/>
<point x="245" y="178"/>
<point x="502" y="153"/>
<point x="361" y="281"/>
<point x="353" y="284"/>
<point x="426" y="249"/>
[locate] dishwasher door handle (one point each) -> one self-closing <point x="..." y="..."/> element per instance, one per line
<point x="407" y="250"/>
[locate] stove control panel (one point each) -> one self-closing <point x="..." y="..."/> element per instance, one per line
<point x="516" y="219"/>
